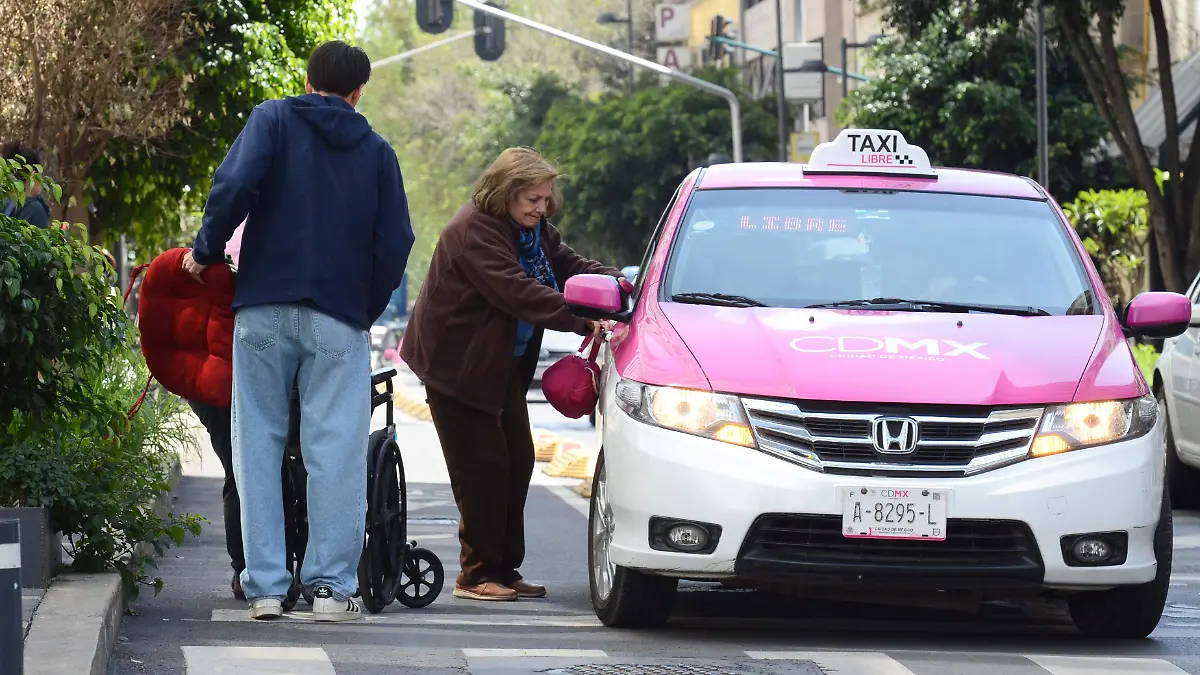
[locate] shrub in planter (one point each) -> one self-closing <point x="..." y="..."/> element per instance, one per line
<point x="59" y="318"/>
<point x="71" y="373"/>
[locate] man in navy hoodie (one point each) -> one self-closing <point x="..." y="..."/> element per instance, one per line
<point x="326" y="241"/>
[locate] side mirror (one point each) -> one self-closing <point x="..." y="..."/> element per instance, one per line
<point x="1157" y="315"/>
<point x="596" y="296"/>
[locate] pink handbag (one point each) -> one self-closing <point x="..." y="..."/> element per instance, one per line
<point x="572" y="385"/>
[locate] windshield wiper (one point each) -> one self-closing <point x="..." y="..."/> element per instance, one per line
<point x="931" y="306"/>
<point x="718" y="299"/>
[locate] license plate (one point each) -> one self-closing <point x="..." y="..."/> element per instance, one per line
<point x="894" y="513"/>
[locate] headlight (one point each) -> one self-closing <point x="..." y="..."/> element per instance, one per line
<point x="1082" y="425"/>
<point x="701" y="413"/>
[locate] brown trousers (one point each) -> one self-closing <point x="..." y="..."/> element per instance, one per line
<point x="490" y="460"/>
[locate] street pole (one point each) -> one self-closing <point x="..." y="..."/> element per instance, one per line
<point x="404" y="56"/>
<point x="629" y="32"/>
<point x="735" y="108"/>
<point x="780" y="103"/>
<point x="1043" y="113"/>
<point x="12" y="642"/>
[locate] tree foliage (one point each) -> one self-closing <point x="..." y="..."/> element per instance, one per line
<point x="967" y="94"/>
<point x="81" y="74"/>
<point x="1087" y="30"/>
<point x="624" y="156"/>
<point x="448" y="114"/>
<point x="248" y="52"/>
<point x="1112" y="224"/>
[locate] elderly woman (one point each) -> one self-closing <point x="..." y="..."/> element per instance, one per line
<point x="494" y="283"/>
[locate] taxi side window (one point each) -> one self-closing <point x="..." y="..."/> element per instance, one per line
<point x="653" y="246"/>
<point x="1194" y="293"/>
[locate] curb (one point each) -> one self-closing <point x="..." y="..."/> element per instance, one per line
<point x="75" y="626"/>
<point x="566" y="458"/>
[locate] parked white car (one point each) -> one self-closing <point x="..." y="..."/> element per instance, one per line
<point x="1177" y="386"/>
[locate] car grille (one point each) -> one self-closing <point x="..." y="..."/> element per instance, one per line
<point x="814" y="544"/>
<point x="837" y="438"/>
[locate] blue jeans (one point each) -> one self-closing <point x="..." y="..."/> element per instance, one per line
<point x="274" y="346"/>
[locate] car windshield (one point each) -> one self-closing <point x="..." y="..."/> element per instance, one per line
<point x="801" y="247"/>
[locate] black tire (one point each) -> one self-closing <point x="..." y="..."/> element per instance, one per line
<point x="421" y="583"/>
<point x="637" y="600"/>
<point x="1183" y="480"/>
<point x="1130" y="612"/>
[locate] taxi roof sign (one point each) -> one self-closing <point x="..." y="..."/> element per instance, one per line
<point x="870" y="151"/>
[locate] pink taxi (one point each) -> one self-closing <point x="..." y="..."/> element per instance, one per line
<point x="865" y="375"/>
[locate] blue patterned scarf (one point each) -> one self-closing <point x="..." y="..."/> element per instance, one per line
<point x="533" y="257"/>
<point x="537" y="266"/>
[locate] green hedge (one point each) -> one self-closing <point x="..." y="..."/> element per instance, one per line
<point x="71" y="371"/>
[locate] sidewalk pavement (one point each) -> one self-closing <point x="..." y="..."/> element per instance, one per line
<point x="72" y="626"/>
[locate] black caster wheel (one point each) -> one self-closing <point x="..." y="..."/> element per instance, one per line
<point x="422" y="580"/>
<point x="308" y="597"/>
<point x="293" y="594"/>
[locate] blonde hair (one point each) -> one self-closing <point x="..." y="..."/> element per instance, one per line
<point x="513" y="172"/>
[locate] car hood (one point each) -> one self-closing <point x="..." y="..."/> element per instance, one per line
<point x="898" y="357"/>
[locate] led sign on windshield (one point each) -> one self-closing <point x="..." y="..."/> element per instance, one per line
<point x="832" y="225"/>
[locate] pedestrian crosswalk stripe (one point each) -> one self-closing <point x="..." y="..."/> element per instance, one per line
<point x="418" y="618"/>
<point x="544" y="653"/>
<point x="1104" y="665"/>
<point x="859" y="663"/>
<point x="257" y="661"/>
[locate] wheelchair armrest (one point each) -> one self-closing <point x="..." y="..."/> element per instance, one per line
<point x="382" y="375"/>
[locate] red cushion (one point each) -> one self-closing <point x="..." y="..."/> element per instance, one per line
<point x="187" y="329"/>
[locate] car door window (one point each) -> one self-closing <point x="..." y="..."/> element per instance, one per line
<point x="653" y="245"/>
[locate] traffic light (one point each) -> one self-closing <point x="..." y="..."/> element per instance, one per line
<point x="717" y="50"/>
<point x="489" y="34"/>
<point x="435" y="16"/>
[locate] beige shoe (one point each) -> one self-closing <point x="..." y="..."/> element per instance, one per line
<point x="488" y="590"/>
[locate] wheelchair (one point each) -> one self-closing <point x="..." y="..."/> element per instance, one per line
<point x="391" y="567"/>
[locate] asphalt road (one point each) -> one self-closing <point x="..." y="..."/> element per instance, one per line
<point x="196" y="627"/>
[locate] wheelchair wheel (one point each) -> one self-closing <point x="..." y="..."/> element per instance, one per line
<point x="422" y="580"/>
<point x="380" y="566"/>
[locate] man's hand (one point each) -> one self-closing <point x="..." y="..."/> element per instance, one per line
<point x="625" y="285"/>
<point x="192" y="267"/>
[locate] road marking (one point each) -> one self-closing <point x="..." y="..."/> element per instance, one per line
<point x="406" y="619"/>
<point x="540" y="653"/>
<point x="859" y="663"/>
<point x="1187" y="541"/>
<point x="573" y="500"/>
<point x="257" y="661"/>
<point x="1101" y="665"/>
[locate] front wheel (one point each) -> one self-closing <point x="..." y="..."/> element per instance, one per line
<point x="1130" y="612"/>
<point x="1183" y="480"/>
<point x="622" y="598"/>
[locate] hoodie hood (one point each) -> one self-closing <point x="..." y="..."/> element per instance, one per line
<point x="334" y="120"/>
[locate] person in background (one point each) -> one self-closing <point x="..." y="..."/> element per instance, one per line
<point x="326" y="241"/>
<point x="35" y="210"/>
<point x="494" y="284"/>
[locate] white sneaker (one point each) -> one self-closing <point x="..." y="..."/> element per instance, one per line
<point x="266" y="608"/>
<point x="327" y="608"/>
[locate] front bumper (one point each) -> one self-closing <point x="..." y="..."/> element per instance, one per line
<point x="1005" y="526"/>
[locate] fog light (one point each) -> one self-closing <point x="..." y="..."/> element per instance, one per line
<point x="683" y="536"/>
<point x="1095" y="549"/>
<point x="687" y="537"/>
<point x="1092" y="550"/>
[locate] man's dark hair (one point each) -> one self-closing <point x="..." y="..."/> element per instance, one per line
<point x="14" y="149"/>
<point x="338" y="68"/>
